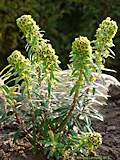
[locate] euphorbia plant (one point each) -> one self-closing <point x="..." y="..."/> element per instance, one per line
<point x="55" y="110"/>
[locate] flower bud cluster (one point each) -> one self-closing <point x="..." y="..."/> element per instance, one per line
<point x="30" y="29"/>
<point x="104" y="35"/>
<point x="91" y="140"/>
<point x="95" y="139"/>
<point x="22" y="66"/>
<point x="81" y="46"/>
<point x="16" y="58"/>
<point x="49" y="58"/>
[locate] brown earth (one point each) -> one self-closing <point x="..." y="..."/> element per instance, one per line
<point x="110" y="128"/>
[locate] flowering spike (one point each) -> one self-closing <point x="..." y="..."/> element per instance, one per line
<point x="104" y="35"/>
<point x="23" y="67"/>
<point x="107" y="30"/>
<point x="82" y="59"/>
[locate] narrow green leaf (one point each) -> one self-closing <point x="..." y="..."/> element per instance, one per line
<point x="16" y="136"/>
<point x="49" y="89"/>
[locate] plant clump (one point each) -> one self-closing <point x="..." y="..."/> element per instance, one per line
<point x="53" y="113"/>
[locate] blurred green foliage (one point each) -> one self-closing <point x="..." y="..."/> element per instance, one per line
<point x="62" y="20"/>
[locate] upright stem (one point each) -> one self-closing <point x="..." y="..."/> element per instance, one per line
<point x="73" y="104"/>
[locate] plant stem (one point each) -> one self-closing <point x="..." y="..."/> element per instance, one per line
<point x="73" y="104"/>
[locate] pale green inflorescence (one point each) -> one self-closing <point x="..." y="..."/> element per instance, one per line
<point x="82" y="46"/>
<point x="42" y="51"/>
<point x="91" y="140"/>
<point x="17" y="58"/>
<point x="81" y="51"/>
<point x="104" y="35"/>
<point x="22" y="67"/>
<point x="95" y="139"/>
<point x="29" y="28"/>
<point x="82" y="60"/>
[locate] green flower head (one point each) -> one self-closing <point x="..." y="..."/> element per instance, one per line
<point x="30" y="30"/>
<point x="107" y="29"/>
<point x="82" y="45"/>
<point x="95" y="139"/>
<point x="17" y="58"/>
<point x="49" y="57"/>
<point x="23" y="69"/>
<point x="91" y="140"/>
<point x="26" y="24"/>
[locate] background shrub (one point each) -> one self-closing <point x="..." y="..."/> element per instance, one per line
<point x="62" y="21"/>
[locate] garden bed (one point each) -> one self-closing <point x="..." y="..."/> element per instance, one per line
<point x="110" y="130"/>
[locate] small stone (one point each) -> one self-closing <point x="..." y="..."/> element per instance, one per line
<point x="114" y="90"/>
<point x="6" y="158"/>
<point x="118" y="102"/>
<point x="113" y="153"/>
<point x="1" y="153"/>
<point x="103" y="133"/>
<point x="1" y="143"/>
<point x="104" y="148"/>
<point x="6" y="147"/>
<point x="11" y="150"/>
<point x="111" y="128"/>
<point x="113" y="104"/>
<point x="21" y="152"/>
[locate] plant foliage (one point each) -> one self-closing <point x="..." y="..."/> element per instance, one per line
<point x="53" y="109"/>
